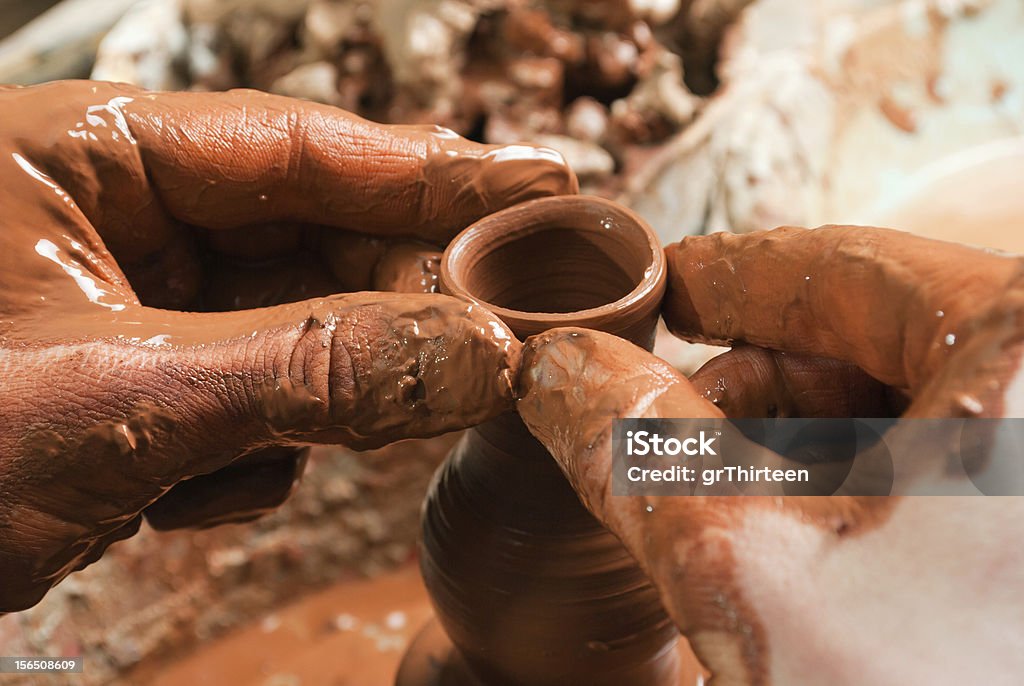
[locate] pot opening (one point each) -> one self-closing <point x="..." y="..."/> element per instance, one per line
<point x="559" y="268"/>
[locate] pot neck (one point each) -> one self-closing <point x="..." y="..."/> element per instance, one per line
<point x="561" y="261"/>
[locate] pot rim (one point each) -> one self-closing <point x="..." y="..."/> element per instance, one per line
<point x="535" y="217"/>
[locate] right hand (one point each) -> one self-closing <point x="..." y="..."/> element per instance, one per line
<point x="830" y="590"/>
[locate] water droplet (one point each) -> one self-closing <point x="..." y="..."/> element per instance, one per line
<point x="940" y="314"/>
<point x="263" y="196"/>
<point x="807" y="278"/>
<point x="650" y="508"/>
<point x="950" y="338"/>
<point x="345" y="622"/>
<point x="970" y="404"/>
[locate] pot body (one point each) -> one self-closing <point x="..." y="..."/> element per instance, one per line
<point x="531" y="589"/>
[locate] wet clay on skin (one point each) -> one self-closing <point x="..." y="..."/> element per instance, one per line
<point x="870" y="296"/>
<point x="120" y="174"/>
<point x="528" y="586"/>
<point x="575" y="381"/>
<point x="847" y="292"/>
<point x="408" y="268"/>
<point x="117" y="200"/>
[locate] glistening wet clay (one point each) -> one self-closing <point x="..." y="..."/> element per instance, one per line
<point x="568" y="261"/>
<point x="118" y="202"/>
<point x="512" y="276"/>
<point x="942" y="319"/>
<point x="528" y="586"/>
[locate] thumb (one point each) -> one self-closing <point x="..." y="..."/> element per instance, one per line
<point x="572" y="384"/>
<point x="137" y="403"/>
<point x="360" y="370"/>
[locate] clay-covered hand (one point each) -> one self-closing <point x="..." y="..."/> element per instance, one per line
<point x="837" y="590"/>
<point x="132" y="220"/>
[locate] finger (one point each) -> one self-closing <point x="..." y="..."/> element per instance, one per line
<point x="984" y="378"/>
<point x="354" y="262"/>
<point x="894" y="304"/>
<point x="361" y="370"/>
<point x="408" y="267"/>
<point x="241" y="157"/>
<point x="573" y="383"/>
<point x="183" y="394"/>
<point x="352" y="257"/>
<point x="754" y="382"/>
<point x="140" y="164"/>
<point x="250" y="488"/>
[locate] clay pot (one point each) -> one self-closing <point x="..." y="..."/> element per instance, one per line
<point x="563" y="261"/>
<point x="528" y="586"/>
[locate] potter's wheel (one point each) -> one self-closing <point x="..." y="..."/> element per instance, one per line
<point x="353" y="633"/>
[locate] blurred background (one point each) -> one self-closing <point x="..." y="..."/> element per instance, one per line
<point x="702" y="115"/>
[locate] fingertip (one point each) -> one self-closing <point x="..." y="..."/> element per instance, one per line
<point x="408" y="267"/>
<point x="453" y="363"/>
<point x="537" y="347"/>
<point x="505" y="353"/>
<point x="562" y="179"/>
<point x="679" y="310"/>
<point x="511" y="174"/>
<point x="550" y="359"/>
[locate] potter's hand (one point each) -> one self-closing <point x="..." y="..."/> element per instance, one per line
<point x="813" y="590"/>
<point x="113" y="196"/>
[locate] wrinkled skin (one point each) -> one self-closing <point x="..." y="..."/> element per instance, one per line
<point x="132" y="220"/>
<point x="790" y="590"/>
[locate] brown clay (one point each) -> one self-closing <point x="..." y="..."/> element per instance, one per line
<point x="408" y="268"/>
<point x="751" y="581"/>
<point x="526" y="583"/>
<point x="683" y="543"/>
<point x="847" y="292"/>
<point x="114" y="199"/>
<point x="556" y="261"/>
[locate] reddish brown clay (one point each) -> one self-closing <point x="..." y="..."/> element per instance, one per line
<point x="119" y="202"/>
<point x="529" y="587"/>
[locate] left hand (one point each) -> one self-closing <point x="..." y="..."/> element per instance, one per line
<point x="133" y="219"/>
<point x="799" y="590"/>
